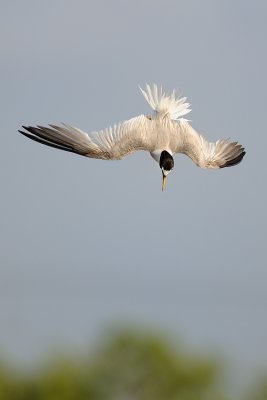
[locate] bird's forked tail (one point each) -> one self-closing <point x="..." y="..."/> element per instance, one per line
<point x="163" y="104"/>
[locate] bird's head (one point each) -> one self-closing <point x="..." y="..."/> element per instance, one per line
<point x="166" y="164"/>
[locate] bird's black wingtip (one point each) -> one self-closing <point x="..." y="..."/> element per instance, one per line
<point x="38" y="136"/>
<point x="27" y="128"/>
<point x="22" y="132"/>
<point x="235" y="160"/>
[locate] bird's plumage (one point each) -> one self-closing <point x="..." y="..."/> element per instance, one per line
<point x="223" y="153"/>
<point x="109" y="144"/>
<point x="165" y="105"/>
<point x="165" y="130"/>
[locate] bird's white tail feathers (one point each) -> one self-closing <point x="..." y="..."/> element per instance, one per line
<point x="163" y="104"/>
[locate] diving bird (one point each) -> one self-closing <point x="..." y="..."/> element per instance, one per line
<point x="162" y="134"/>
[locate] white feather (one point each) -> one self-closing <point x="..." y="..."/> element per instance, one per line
<point x="165" y="105"/>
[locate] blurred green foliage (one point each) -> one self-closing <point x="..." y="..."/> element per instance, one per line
<point x="259" y="392"/>
<point x="125" y="367"/>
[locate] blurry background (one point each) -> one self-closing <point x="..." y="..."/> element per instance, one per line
<point x="89" y="246"/>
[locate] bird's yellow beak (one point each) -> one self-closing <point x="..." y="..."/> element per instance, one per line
<point x="163" y="181"/>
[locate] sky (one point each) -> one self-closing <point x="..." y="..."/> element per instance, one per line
<point x="89" y="244"/>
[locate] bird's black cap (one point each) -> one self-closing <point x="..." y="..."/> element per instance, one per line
<point x="166" y="161"/>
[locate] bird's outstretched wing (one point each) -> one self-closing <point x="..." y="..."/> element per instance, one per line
<point x="221" y="154"/>
<point x="112" y="143"/>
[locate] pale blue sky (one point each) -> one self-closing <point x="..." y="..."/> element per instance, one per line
<point x="88" y="243"/>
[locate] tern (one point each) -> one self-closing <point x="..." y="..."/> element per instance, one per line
<point x="162" y="134"/>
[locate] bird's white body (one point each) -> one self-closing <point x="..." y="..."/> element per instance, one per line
<point x="165" y="130"/>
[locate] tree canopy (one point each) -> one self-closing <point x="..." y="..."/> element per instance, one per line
<point x="127" y="366"/>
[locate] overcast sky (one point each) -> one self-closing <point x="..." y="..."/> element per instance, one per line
<point x="88" y="244"/>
